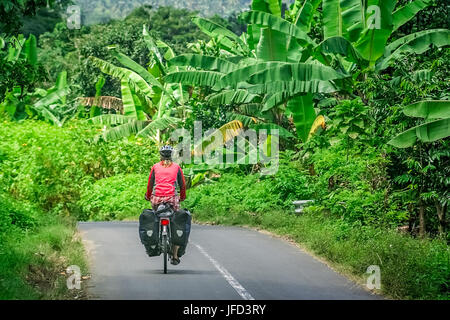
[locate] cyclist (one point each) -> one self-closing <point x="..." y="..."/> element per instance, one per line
<point x="163" y="181"/>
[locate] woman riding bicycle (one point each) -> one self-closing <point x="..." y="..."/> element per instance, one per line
<point x="163" y="181"/>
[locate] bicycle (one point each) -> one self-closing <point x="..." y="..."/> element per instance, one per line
<point x="165" y="214"/>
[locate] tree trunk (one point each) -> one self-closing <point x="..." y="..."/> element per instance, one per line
<point x="411" y="218"/>
<point x="441" y="216"/>
<point x="421" y="219"/>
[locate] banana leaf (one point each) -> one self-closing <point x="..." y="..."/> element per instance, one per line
<point x="203" y="62"/>
<point x="122" y="131"/>
<point x="194" y="78"/>
<point x="61" y="83"/>
<point x="134" y="66"/>
<point x="267" y="20"/>
<point x="131" y="106"/>
<point x="431" y="109"/>
<point x="293" y="87"/>
<point x="303" y="113"/>
<point x="296" y="72"/>
<point x="339" y="45"/>
<point x="417" y="43"/>
<point x="227" y="97"/>
<point x="228" y="131"/>
<point x="158" y="124"/>
<point x="305" y="15"/>
<point x="274" y="100"/>
<point x="242" y="74"/>
<point x="343" y="18"/>
<point x="169" y="54"/>
<point x="427" y="132"/>
<point x="269" y="6"/>
<point x="245" y="119"/>
<point x="153" y="49"/>
<point x="271" y="46"/>
<point x="225" y="37"/>
<point x="407" y="12"/>
<point x="377" y="30"/>
<point x="138" y="83"/>
<point x="30" y="50"/>
<point x="41" y="106"/>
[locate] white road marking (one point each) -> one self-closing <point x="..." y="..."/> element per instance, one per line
<point x="231" y="280"/>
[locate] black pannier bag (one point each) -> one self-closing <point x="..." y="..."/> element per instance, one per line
<point x="149" y="232"/>
<point x="181" y="229"/>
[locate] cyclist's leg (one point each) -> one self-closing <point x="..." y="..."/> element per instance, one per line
<point x="175" y="251"/>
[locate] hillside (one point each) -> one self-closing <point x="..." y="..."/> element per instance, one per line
<point x="104" y="10"/>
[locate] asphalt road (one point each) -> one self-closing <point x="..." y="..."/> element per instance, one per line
<point x="221" y="263"/>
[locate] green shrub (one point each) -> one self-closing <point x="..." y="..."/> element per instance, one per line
<point x="49" y="165"/>
<point x="356" y="189"/>
<point x="114" y="198"/>
<point x="15" y="215"/>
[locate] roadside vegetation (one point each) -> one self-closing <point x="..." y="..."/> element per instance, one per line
<point x="44" y="172"/>
<point x="351" y="231"/>
<point x="362" y="116"/>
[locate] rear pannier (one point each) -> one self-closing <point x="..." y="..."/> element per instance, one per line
<point x="181" y="228"/>
<point x="149" y="232"/>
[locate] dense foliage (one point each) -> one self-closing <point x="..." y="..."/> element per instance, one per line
<point x="412" y="269"/>
<point x="362" y="114"/>
<point x="13" y="12"/>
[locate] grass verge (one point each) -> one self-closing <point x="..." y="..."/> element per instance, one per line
<point x="33" y="260"/>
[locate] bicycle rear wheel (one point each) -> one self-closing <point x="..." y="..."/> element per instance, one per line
<point x="165" y="249"/>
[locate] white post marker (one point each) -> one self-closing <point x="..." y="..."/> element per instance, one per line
<point x="230" y="279"/>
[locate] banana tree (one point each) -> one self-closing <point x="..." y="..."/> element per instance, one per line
<point x="47" y="104"/>
<point x="20" y="48"/>
<point x="148" y="103"/>
<point x="360" y="30"/>
<point x="276" y="75"/>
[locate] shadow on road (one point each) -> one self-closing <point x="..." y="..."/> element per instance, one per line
<point x="181" y="271"/>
